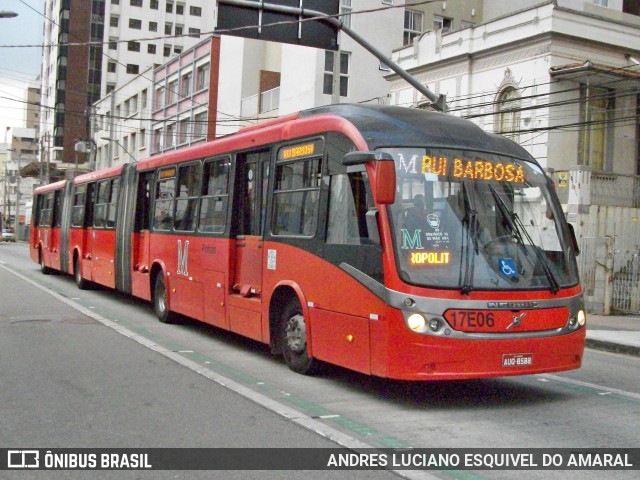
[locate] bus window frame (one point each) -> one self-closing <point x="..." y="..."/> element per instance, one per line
<point x="317" y="155"/>
<point x="182" y="167"/>
<point x="222" y="197"/>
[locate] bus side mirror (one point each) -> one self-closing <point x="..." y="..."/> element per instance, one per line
<point x="574" y="239"/>
<point x="385" y="188"/>
<point x="385" y="173"/>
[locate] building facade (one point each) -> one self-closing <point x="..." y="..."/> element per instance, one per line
<point x="93" y="47"/>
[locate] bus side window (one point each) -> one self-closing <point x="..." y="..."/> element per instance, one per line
<point x="349" y="200"/>
<point x="77" y="212"/>
<point x="112" y="208"/>
<point x="187" y="198"/>
<point x="215" y="194"/>
<point x="165" y="193"/>
<point x="57" y="208"/>
<point x="296" y="197"/>
<point x="102" y="203"/>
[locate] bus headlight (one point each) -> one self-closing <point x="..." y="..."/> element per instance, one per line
<point x="582" y="318"/>
<point x="578" y="320"/>
<point x="416" y="322"/>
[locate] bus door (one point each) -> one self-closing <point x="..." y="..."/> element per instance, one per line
<point x="140" y="282"/>
<point x="86" y="242"/>
<point x="56" y="222"/>
<point x="250" y="201"/>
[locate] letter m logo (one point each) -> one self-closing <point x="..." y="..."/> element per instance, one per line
<point x="183" y="258"/>
<point x="409" y="242"/>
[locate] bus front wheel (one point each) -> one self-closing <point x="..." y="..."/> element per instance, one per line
<point x="293" y="335"/>
<point x="160" y="302"/>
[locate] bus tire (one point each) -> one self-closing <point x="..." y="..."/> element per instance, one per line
<point x="160" y="302"/>
<point x="293" y="338"/>
<point x="81" y="283"/>
<point x="43" y="268"/>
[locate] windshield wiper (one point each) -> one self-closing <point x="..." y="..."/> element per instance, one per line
<point x="467" y="254"/>
<point x="518" y="230"/>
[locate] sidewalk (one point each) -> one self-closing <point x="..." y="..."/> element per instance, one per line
<point x="614" y="333"/>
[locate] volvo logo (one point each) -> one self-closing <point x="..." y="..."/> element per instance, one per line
<point x="517" y="320"/>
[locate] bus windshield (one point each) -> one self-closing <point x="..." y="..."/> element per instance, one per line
<point x="477" y="221"/>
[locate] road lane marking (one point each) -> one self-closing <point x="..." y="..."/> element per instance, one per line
<point x="292" y="414"/>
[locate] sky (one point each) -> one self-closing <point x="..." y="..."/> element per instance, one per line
<point x="18" y="66"/>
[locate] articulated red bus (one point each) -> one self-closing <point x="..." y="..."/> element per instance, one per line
<point x="395" y="242"/>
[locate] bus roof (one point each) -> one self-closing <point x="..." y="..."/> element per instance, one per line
<point x="51" y="186"/>
<point x="386" y="126"/>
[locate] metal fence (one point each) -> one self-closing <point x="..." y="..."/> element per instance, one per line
<point x="625" y="281"/>
<point x="610" y="274"/>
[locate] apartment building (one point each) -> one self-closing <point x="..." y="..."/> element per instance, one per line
<point x="93" y="47"/>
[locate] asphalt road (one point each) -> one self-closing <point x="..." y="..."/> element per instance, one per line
<point x="75" y="379"/>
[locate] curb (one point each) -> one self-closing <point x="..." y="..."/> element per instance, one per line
<point x="612" y="347"/>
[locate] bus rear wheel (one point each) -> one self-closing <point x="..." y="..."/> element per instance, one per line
<point x="43" y="268"/>
<point x="293" y="338"/>
<point x="160" y="302"/>
<point x="81" y="283"/>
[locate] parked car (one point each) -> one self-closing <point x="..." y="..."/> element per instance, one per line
<point x="8" y="235"/>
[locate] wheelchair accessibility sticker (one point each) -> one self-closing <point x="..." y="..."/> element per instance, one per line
<point x="508" y="267"/>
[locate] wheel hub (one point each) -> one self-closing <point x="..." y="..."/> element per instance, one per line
<point x="296" y="333"/>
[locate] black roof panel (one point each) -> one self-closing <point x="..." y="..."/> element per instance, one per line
<point x="386" y="126"/>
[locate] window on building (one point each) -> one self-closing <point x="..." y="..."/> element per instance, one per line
<point x="185" y="84"/>
<point x="114" y="21"/>
<point x="169" y="7"/>
<point x="143" y="99"/>
<point x="442" y="23"/>
<point x="113" y="43"/>
<point x="509" y="113"/>
<point x="195" y="11"/>
<point x="180" y="9"/>
<point x="329" y="59"/>
<point x="135" y="24"/>
<point x="170" y="136"/>
<point x="133" y="69"/>
<point x="135" y="3"/>
<point x="168" y="28"/>
<point x="179" y="29"/>
<point x="153" y="4"/>
<point x="158" y="140"/>
<point x="200" y="125"/>
<point x="110" y="87"/>
<point x="153" y="26"/>
<point x="172" y="92"/>
<point x="166" y="50"/>
<point x="151" y="48"/>
<point x="111" y="67"/>
<point x="596" y="109"/>
<point x="133" y="46"/>
<point x="185" y="130"/>
<point x="413" y="24"/>
<point x="202" y="76"/>
<point x="602" y="3"/>
<point x="177" y="50"/>
<point x="345" y="12"/>
<point x="194" y="32"/>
